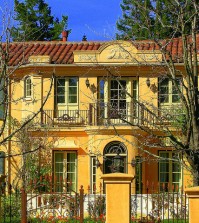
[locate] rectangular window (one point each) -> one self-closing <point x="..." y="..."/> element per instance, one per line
<point x="135" y="97"/>
<point x="60" y="90"/>
<point x="138" y="175"/>
<point x="93" y="173"/>
<point x="67" y="90"/>
<point x="168" y="92"/>
<point x="117" y="99"/>
<point x="2" y="163"/>
<point x="65" y="171"/>
<point x="169" y="171"/>
<point x="27" y="87"/>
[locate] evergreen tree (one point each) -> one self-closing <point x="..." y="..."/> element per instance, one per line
<point x="152" y="19"/>
<point x="132" y="25"/>
<point x="35" y="22"/>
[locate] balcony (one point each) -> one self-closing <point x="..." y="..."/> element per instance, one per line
<point x="100" y="114"/>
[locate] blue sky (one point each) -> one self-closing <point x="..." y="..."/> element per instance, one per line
<point x="94" y="18"/>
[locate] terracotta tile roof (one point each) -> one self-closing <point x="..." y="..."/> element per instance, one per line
<point x="62" y="52"/>
<point x="174" y="47"/>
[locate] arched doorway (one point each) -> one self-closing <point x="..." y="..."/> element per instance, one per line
<point x="110" y="151"/>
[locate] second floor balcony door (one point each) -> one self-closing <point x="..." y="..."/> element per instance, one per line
<point x="118" y="104"/>
<point x="66" y="98"/>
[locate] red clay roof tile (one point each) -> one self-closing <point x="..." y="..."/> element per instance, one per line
<point x="62" y="52"/>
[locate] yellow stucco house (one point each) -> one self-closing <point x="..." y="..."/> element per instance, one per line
<point x="90" y="96"/>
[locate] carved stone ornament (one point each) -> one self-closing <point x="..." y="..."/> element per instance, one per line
<point x="86" y="57"/>
<point x="39" y="59"/>
<point x="118" y="53"/>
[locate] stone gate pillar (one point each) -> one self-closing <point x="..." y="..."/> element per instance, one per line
<point x="193" y="196"/>
<point x="118" y="197"/>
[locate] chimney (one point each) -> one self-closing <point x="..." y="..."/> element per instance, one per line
<point x="64" y="35"/>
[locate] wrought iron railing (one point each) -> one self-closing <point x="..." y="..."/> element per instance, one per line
<point x="160" y="206"/>
<point x="134" y="114"/>
<point x="39" y="202"/>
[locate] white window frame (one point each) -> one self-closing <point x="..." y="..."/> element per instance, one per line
<point x="130" y="88"/>
<point x="65" y="172"/>
<point x="66" y="91"/>
<point x="93" y="170"/>
<point x="28" y="87"/>
<point x="170" y="171"/>
<point x="170" y="94"/>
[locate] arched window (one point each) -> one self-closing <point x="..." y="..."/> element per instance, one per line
<point x="27" y="87"/>
<point x="110" y="151"/>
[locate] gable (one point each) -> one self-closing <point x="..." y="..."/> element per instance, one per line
<point x="117" y="52"/>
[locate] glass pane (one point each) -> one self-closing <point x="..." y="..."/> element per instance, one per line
<point x="135" y="83"/>
<point x="73" y="186"/>
<point x="71" y="177"/>
<point x="122" y="104"/>
<point x="114" y="94"/>
<point x="107" y="164"/>
<point x="164" y="90"/>
<point x="61" y="82"/>
<point x="94" y="170"/>
<point x="176" y="177"/>
<point x="61" y="90"/>
<point x="71" y="157"/>
<point x="72" y="90"/>
<point x="101" y="90"/>
<point x="175" y="98"/>
<point x="60" y="99"/>
<point x="164" y="98"/>
<point x="122" y="94"/>
<point x="28" y="87"/>
<point x="59" y="167"/>
<point x="123" y="84"/>
<point x="73" y="81"/>
<point x="176" y="167"/>
<point x="164" y="177"/>
<point x="164" y="154"/>
<point x="164" y="167"/>
<point x="59" y="157"/>
<point x="114" y="84"/>
<point x="174" y="89"/>
<point x="70" y="167"/>
<point x="72" y="99"/>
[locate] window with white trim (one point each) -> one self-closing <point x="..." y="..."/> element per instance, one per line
<point x="27" y="87"/>
<point x="65" y="171"/>
<point x="93" y="173"/>
<point x="169" y="171"/>
<point x="138" y="175"/>
<point x="115" y="103"/>
<point x="67" y="90"/>
<point x="168" y="93"/>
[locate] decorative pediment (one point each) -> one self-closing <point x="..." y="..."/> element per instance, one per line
<point x="117" y="52"/>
